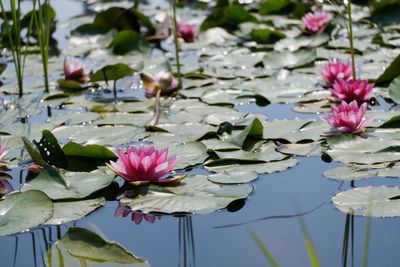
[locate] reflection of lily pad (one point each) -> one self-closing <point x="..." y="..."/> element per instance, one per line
<point x="369" y="201"/>
<point x="81" y="247"/>
<point x="21" y="211"/>
<point x="196" y="194"/>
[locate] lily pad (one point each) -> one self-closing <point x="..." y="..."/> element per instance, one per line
<point x="278" y="59"/>
<point x="371" y="201"/>
<point x="81" y="246"/>
<point x="74" y="210"/>
<point x="196" y="194"/>
<point x="345" y="173"/>
<point x="21" y="211"/>
<point x="233" y="177"/>
<point x="70" y="184"/>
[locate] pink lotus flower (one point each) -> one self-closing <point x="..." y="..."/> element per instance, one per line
<point x="316" y="22"/>
<point x="352" y="90"/>
<point x="5" y="187"/>
<point x="145" y="165"/>
<point x="186" y="32"/>
<point x="75" y="70"/>
<point x="3" y="153"/>
<point x="347" y="118"/>
<point x="162" y="80"/>
<point x="136" y="217"/>
<point x="335" y="70"/>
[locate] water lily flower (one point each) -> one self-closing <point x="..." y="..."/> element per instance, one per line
<point x="347" y="118"/>
<point x="3" y="153"/>
<point x="162" y="80"/>
<point x="317" y="21"/>
<point x="5" y="187"/>
<point x="75" y="70"/>
<point x="135" y="217"/>
<point x="352" y="90"/>
<point x="186" y="32"/>
<point x="145" y="165"/>
<point x="335" y="70"/>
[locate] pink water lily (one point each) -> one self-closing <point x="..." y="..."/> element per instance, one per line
<point x="347" y="118"/>
<point x="162" y="80"/>
<point x="135" y="217"/>
<point x="145" y="165"/>
<point x="3" y="153"/>
<point x="75" y="70"/>
<point x="335" y="70"/>
<point x="316" y="22"/>
<point x="352" y="90"/>
<point x="186" y="32"/>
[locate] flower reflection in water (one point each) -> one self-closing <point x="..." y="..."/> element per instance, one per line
<point x="135" y="216"/>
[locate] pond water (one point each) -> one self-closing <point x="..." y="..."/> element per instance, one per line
<point x="219" y="238"/>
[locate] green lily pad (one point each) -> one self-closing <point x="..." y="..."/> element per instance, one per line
<point x="127" y="41"/>
<point x="369" y="201"/>
<point x="21" y="211"/>
<point x="195" y="194"/>
<point x="308" y="149"/>
<point x="111" y="73"/>
<point x="74" y="210"/>
<point x="253" y="130"/>
<point x="349" y="148"/>
<point x="81" y="246"/>
<point x="345" y="173"/>
<point x="70" y="184"/>
<point x="391" y="72"/>
<point x="239" y="177"/>
<point x="294" y="130"/>
<point x="278" y="59"/>
<point x="266" y="153"/>
<point x="394" y="90"/>
<point x="268" y="167"/>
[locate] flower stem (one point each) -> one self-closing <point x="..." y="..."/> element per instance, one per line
<point x="351" y="39"/>
<point x="349" y="32"/>
<point x="178" y="65"/>
<point x="157" y="109"/>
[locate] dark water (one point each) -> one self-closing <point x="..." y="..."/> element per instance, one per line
<point x="302" y="187"/>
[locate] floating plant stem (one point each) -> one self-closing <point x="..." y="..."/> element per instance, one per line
<point x="345" y="245"/>
<point x="176" y="43"/>
<point x="263" y="248"/>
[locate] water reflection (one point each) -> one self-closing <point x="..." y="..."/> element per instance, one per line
<point x="135" y="216"/>
<point x="187" y="255"/>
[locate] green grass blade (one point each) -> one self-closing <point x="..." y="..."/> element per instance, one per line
<point x="263" y="248"/>
<point x="312" y="255"/>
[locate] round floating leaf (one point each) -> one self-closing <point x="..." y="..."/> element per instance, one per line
<point x="349" y="148"/>
<point x="344" y="173"/>
<point x="278" y="59"/>
<point x="80" y="246"/>
<point x="369" y="201"/>
<point x="238" y="177"/>
<point x="70" y="184"/>
<point x="127" y="41"/>
<point x="266" y="153"/>
<point x="393" y="171"/>
<point x="74" y="210"/>
<point x="294" y="130"/>
<point x="189" y="154"/>
<point x="391" y="72"/>
<point x="394" y="90"/>
<point x="195" y="194"/>
<point x="268" y="167"/>
<point x="308" y="149"/>
<point x="21" y="211"/>
<point x="111" y="73"/>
